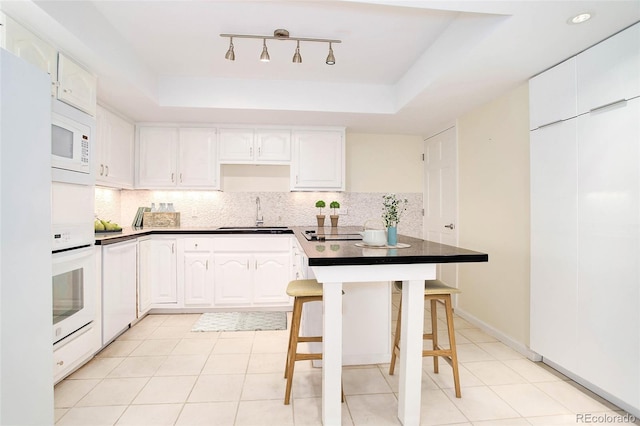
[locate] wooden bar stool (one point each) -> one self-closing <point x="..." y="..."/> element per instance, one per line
<point x="302" y="291"/>
<point x="434" y="290"/>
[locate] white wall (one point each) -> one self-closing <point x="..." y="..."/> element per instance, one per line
<point x="493" y="143"/>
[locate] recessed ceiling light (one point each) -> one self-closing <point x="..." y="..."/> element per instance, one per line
<point x="580" y="18"/>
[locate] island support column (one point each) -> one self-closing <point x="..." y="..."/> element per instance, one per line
<point x="411" y="352"/>
<point x="332" y="353"/>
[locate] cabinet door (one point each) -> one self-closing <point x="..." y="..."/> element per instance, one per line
<point x="198" y="278"/>
<point x="236" y="145"/>
<point x="273" y="145"/>
<point x="552" y="95"/>
<point x="114" y="165"/>
<point x="233" y="279"/>
<point x="163" y="271"/>
<point x="554" y="240"/>
<point x="145" y="275"/>
<point x="609" y="71"/>
<point x="157" y="157"/>
<point x="272" y="274"/>
<point x="318" y="160"/>
<point x="197" y="158"/>
<point x="609" y="248"/>
<point x="28" y="46"/>
<point x="76" y="86"/>
<point x="119" y="266"/>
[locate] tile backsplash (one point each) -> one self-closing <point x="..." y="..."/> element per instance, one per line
<point x="214" y="208"/>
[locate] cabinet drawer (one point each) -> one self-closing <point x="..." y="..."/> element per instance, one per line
<point x="75" y="353"/>
<point x="198" y="244"/>
<point x="252" y="244"/>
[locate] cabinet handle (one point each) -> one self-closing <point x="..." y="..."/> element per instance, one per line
<point x="172" y="248"/>
<point x="247" y="265"/>
<point x="196" y="245"/>
<point x="607" y="105"/>
<point x="60" y="363"/>
<point x="256" y="264"/>
<point x="106" y="168"/>
<point x="259" y="151"/>
<point x="180" y="177"/>
<point x="297" y="179"/>
<point x="251" y="151"/>
<point x="66" y="90"/>
<point x="206" y="266"/>
<point x="450" y="226"/>
<point x="172" y="176"/>
<point x="101" y="169"/>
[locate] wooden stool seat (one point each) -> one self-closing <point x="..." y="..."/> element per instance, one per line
<point x="434" y="291"/>
<point x="302" y="291"/>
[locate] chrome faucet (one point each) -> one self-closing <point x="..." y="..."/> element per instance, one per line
<point x="259" y="217"/>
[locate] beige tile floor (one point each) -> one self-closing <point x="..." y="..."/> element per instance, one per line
<point x="161" y="373"/>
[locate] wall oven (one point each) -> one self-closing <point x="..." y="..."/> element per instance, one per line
<point x="72" y="141"/>
<point x="74" y="283"/>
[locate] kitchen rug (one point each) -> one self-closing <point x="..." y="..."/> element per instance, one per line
<point x="241" y="321"/>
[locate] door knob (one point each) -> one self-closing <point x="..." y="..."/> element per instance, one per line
<point x="450" y="226"/>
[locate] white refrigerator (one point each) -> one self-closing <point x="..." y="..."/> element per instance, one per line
<point x="26" y="350"/>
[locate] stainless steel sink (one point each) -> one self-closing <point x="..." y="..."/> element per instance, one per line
<point x="256" y="229"/>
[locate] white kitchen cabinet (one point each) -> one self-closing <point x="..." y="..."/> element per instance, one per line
<point x="33" y="49"/>
<point x="252" y="271"/>
<point x="318" y="162"/>
<point x="119" y="281"/>
<point x="114" y="150"/>
<point x="255" y="146"/>
<point x="145" y="264"/>
<point x="158" y="271"/>
<point x="75" y="350"/>
<point x="197" y="165"/>
<point x="609" y="71"/>
<point x="609" y="248"/>
<point x="554" y="242"/>
<point x="157" y="157"/>
<point x="585" y="229"/>
<point x="197" y="267"/>
<point x="169" y="157"/>
<point x="233" y="279"/>
<point x="76" y="86"/>
<point x="553" y="95"/>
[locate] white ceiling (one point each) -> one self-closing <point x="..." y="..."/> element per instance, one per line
<point x="406" y="67"/>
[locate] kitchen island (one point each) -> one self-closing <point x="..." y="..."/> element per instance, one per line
<point x="335" y="262"/>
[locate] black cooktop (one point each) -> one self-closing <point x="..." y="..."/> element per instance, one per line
<point x="331" y="235"/>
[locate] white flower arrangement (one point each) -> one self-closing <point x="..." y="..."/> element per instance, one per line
<point x="392" y="209"/>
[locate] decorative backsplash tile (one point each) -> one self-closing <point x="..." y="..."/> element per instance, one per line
<point x="213" y="208"/>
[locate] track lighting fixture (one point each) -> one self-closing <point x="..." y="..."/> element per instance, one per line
<point x="297" y="58"/>
<point x="230" y="55"/>
<point x="280" y="34"/>
<point x="264" y="56"/>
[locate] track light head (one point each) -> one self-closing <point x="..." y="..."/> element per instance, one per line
<point x="297" y="58"/>
<point x="264" y="56"/>
<point x="230" y="55"/>
<point x="331" y="60"/>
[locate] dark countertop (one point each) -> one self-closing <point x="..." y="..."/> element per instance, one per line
<point x="330" y="252"/>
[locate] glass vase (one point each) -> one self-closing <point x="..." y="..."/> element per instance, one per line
<point x="392" y="236"/>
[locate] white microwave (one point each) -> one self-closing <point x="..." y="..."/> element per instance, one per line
<point x="72" y="142"/>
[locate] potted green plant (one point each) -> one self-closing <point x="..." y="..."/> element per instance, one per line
<point x="334" y="217"/>
<point x="320" y="217"/>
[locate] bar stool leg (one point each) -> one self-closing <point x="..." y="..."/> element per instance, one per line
<point x="293" y="345"/>
<point x="396" y="341"/>
<point x="434" y="332"/>
<point x="452" y="344"/>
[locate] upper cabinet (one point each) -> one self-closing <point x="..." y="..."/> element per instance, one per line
<point x="254" y="146"/>
<point x="114" y="150"/>
<point x="599" y="82"/>
<point x="318" y="162"/>
<point x="171" y="157"/>
<point x="552" y="95"/>
<point x="70" y="82"/>
<point x="76" y="86"/>
<point x="28" y="46"/>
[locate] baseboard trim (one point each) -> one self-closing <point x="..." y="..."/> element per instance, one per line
<point x="492" y="331"/>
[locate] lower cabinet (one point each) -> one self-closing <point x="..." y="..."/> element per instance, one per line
<point x="119" y="263"/>
<point x="196" y="271"/>
<point x="157" y="284"/>
<point x="252" y="271"/>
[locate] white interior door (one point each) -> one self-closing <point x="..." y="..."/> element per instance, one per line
<point x="441" y="196"/>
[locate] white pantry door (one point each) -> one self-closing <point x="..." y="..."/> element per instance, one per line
<point x="441" y="196"/>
